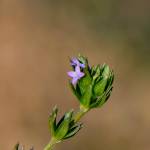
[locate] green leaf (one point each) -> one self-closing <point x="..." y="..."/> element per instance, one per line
<point x="100" y="87"/>
<point x="105" y="97"/>
<point x="86" y="98"/>
<point x="74" y="130"/>
<point x="102" y="99"/>
<point x="93" y="70"/>
<point x="110" y="80"/>
<point x="60" y="121"/>
<point x="106" y="71"/>
<point x="97" y="72"/>
<point x="83" y="60"/>
<point x="52" y="120"/>
<point x="62" y="129"/>
<point x="85" y="81"/>
<point x="76" y="91"/>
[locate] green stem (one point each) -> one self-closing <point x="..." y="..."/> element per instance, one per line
<point x="80" y="113"/>
<point x="50" y="145"/>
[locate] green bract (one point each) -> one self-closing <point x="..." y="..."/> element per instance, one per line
<point x="65" y="128"/>
<point x="94" y="89"/>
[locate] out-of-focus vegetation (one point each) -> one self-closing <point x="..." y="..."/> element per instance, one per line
<point x="36" y="38"/>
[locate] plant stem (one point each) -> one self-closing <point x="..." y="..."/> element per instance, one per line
<point x="50" y="145"/>
<point x="82" y="111"/>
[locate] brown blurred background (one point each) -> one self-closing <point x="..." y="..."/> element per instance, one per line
<point x="36" y="39"/>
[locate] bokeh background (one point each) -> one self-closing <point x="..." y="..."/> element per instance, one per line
<point x="37" y="38"/>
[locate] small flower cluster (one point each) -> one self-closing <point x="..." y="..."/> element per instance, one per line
<point x="91" y="85"/>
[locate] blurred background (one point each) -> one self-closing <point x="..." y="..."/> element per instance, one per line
<point x="37" y="38"/>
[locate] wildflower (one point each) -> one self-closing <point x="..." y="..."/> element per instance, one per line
<point x="75" y="75"/>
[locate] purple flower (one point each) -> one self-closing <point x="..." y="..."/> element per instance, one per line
<point x="75" y="62"/>
<point x="75" y="75"/>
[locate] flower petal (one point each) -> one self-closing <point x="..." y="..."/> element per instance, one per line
<point x="77" y="69"/>
<point x="71" y="74"/>
<point x="74" y="62"/>
<point x="81" y="74"/>
<point x="82" y="65"/>
<point x="74" y="81"/>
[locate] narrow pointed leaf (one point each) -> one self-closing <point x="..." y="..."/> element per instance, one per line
<point x="76" y="91"/>
<point x="73" y="131"/>
<point x="85" y="99"/>
<point x="100" y="87"/>
<point x="52" y="120"/>
<point x="64" y="126"/>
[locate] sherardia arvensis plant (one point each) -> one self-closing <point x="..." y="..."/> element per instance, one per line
<point x="92" y="85"/>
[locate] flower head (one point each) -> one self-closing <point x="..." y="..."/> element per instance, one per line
<point x="75" y="75"/>
<point x="94" y="89"/>
<point x="75" y="62"/>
